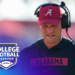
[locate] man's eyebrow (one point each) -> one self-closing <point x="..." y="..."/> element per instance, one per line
<point x="44" y="24"/>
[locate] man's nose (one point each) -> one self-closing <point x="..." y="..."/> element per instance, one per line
<point x="49" y="29"/>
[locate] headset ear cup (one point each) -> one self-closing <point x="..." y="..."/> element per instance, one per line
<point x="37" y="14"/>
<point x="64" y="21"/>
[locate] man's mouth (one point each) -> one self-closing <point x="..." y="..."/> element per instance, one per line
<point x="50" y="35"/>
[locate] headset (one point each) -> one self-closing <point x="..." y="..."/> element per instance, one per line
<point x="66" y="18"/>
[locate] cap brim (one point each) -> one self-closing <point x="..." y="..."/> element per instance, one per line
<point x="51" y="21"/>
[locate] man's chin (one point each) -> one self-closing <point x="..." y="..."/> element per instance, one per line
<point x="50" y="41"/>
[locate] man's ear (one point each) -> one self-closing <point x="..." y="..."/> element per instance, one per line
<point x="39" y="24"/>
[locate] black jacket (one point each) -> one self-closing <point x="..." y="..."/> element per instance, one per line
<point x="37" y="59"/>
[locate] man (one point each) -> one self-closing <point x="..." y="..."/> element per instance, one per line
<point x="52" y="55"/>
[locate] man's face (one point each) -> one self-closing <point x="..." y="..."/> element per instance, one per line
<point x="51" y="33"/>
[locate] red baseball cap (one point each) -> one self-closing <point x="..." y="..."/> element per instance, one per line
<point x="50" y="14"/>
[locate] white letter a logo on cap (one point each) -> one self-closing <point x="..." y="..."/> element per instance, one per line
<point x="49" y="12"/>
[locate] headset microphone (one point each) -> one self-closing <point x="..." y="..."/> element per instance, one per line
<point x="62" y="3"/>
